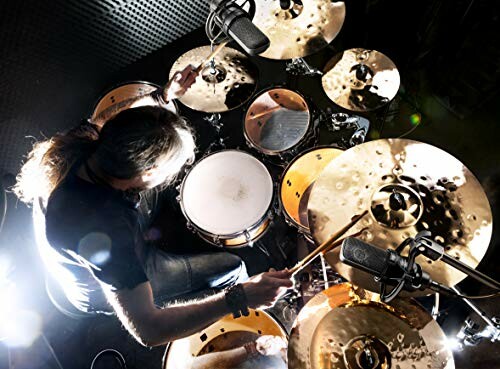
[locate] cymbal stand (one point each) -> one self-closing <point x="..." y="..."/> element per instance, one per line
<point x="299" y="67"/>
<point x="469" y="334"/>
<point x="340" y="121"/>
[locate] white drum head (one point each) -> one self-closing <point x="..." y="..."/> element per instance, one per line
<point x="227" y="192"/>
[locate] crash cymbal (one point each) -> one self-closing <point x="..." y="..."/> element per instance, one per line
<point x="438" y="193"/>
<point x="360" y="79"/>
<point x="223" y="85"/>
<point x="299" y="30"/>
<point x="342" y="328"/>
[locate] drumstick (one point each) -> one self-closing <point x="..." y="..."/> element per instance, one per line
<point x="328" y="243"/>
<point x="270" y="110"/>
<point x="211" y="56"/>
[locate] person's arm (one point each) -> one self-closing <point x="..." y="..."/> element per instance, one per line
<point x="221" y="359"/>
<point x="152" y="326"/>
<point x="174" y="89"/>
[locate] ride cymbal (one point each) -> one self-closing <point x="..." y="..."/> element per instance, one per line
<point x="342" y="328"/>
<point x="360" y="79"/>
<point x="222" y="85"/>
<point x="302" y="28"/>
<point x="436" y="192"/>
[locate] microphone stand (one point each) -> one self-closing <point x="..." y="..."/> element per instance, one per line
<point x="423" y="245"/>
<point x="469" y="334"/>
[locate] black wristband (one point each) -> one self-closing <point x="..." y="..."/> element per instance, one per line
<point x="236" y="300"/>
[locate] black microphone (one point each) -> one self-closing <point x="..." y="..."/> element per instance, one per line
<point x="388" y="266"/>
<point x="236" y="23"/>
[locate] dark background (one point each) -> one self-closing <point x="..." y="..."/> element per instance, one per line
<point x="57" y="57"/>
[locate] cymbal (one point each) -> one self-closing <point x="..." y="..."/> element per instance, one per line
<point x="360" y="79"/>
<point x="344" y="328"/>
<point x="223" y="85"/>
<point x="303" y="29"/>
<point x="438" y="194"/>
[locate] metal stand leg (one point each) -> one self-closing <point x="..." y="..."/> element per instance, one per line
<point x="323" y="268"/>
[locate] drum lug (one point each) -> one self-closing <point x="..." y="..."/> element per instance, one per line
<point x="189" y="226"/>
<point x="217" y="240"/>
<point x="248" y="238"/>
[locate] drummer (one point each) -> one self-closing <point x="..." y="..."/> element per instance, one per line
<point x="95" y="191"/>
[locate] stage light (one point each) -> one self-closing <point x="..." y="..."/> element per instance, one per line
<point x="18" y="327"/>
<point x="453" y="343"/>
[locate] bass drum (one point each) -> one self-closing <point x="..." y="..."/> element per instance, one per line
<point x="279" y="122"/>
<point x="297" y="182"/>
<point x="125" y="91"/>
<point x="222" y="345"/>
<point x="226" y="198"/>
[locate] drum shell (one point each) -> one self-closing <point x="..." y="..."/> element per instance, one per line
<point x="234" y="240"/>
<point x="126" y="90"/>
<point x="288" y="218"/>
<point x="258" y="322"/>
<point x="309" y="137"/>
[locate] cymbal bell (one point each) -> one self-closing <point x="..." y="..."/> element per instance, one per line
<point x="360" y="79"/>
<point x="437" y="192"/>
<point x="303" y="28"/>
<point x="343" y="327"/>
<point x="223" y="84"/>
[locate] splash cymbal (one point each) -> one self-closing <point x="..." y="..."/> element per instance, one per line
<point x="343" y="328"/>
<point x="360" y="79"/>
<point x="303" y="28"/>
<point x="222" y="85"/>
<point x="437" y="192"/>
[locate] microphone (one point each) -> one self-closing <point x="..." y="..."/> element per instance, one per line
<point x="236" y="23"/>
<point x="388" y="267"/>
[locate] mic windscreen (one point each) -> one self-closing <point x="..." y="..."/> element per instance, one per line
<point x="248" y="36"/>
<point x="364" y="256"/>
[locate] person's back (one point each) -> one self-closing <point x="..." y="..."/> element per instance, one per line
<point x="89" y="182"/>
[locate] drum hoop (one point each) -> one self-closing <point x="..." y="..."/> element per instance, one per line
<point x="253" y="145"/>
<point x="269" y="313"/>
<point x="288" y="218"/>
<point x="124" y="83"/>
<point x="267" y="213"/>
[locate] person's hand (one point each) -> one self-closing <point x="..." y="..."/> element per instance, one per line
<point x="263" y="290"/>
<point x="270" y="345"/>
<point x="180" y="82"/>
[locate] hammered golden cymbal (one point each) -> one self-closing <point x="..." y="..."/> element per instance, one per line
<point x="360" y="79"/>
<point x="342" y="328"/>
<point x="304" y="28"/>
<point x="222" y="85"/>
<point x="438" y="193"/>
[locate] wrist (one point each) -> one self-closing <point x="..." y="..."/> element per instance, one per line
<point x="236" y="300"/>
<point x="251" y="349"/>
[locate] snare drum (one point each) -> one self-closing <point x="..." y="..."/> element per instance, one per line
<point x="226" y="198"/>
<point x="278" y="122"/>
<point x="226" y="334"/>
<point x="297" y="182"/>
<point x="126" y="91"/>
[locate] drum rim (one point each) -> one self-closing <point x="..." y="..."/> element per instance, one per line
<point x="287" y="216"/>
<point x="266" y="215"/>
<point x="268" y="313"/>
<point x="121" y="84"/>
<point x="310" y="124"/>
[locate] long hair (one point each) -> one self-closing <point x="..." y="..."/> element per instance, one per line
<point x="127" y="145"/>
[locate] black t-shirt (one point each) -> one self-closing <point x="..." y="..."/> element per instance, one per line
<point x="99" y="228"/>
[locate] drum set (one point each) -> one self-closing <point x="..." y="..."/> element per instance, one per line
<point x="384" y="192"/>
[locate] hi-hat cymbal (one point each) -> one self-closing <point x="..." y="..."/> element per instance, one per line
<point x="300" y="30"/>
<point x="223" y="85"/>
<point x="341" y="328"/>
<point x="360" y="79"/>
<point x="438" y="193"/>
